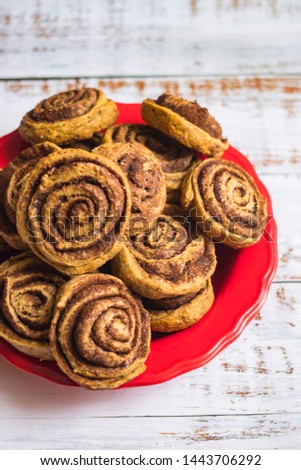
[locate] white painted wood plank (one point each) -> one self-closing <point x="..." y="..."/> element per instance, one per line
<point x="259" y="373"/>
<point x="64" y="38"/>
<point x="260" y="116"/>
<point x="186" y="433"/>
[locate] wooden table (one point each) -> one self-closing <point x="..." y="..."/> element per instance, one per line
<point x="241" y="59"/>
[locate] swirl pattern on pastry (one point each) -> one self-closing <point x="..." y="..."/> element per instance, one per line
<point x="146" y="180"/>
<point x="3" y="245"/>
<point x="27" y="289"/>
<point x="74" y="209"/>
<point x="175" y="159"/>
<point x="86" y="144"/>
<point x="168" y="260"/>
<point x="178" y="313"/>
<point x="186" y="122"/>
<point x="68" y="116"/>
<point x="16" y="171"/>
<point x="225" y="201"/>
<point x="100" y="333"/>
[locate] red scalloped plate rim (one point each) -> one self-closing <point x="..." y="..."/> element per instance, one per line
<point x="194" y="359"/>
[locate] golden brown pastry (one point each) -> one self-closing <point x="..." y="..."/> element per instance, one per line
<point x="146" y="180"/>
<point x="178" y="313"/>
<point x="169" y="260"/>
<point x="68" y="116"/>
<point x="225" y="201"/>
<point x="11" y="180"/>
<point x="100" y="333"/>
<point x="15" y="172"/>
<point x="187" y="122"/>
<point x="27" y="294"/>
<point x="175" y="159"/>
<point x="74" y="209"/>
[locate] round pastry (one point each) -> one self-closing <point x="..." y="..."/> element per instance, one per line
<point x="166" y="261"/>
<point x="68" y="116"/>
<point x="74" y="209"/>
<point x="15" y="172"/>
<point x="225" y="201"/>
<point x="187" y="122"/>
<point x="146" y="180"/>
<point x="27" y="291"/>
<point x="175" y="159"/>
<point x="177" y="313"/>
<point x="100" y="333"/>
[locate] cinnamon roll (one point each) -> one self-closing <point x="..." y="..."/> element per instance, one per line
<point x="225" y="201"/>
<point x="74" y="209"/>
<point x="68" y="116"/>
<point x="177" y="313"/>
<point x="27" y="292"/>
<point x="168" y="260"/>
<point x="100" y="333"/>
<point x="175" y="159"/>
<point x="187" y="122"/>
<point x="146" y="180"/>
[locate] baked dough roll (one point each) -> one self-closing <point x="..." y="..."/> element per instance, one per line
<point x="168" y="260"/>
<point x="175" y="159"/>
<point x="187" y="122"/>
<point x="178" y="313"/>
<point x="100" y="333"/>
<point x="27" y="290"/>
<point x="74" y="210"/>
<point x="146" y="180"/>
<point x="226" y="203"/>
<point x="68" y="116"/>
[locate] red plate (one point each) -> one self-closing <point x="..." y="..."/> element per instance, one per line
<point x="241" y="284"/>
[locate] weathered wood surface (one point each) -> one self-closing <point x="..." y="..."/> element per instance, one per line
<point x="59" y="38"/>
